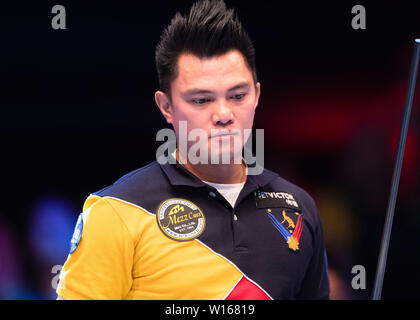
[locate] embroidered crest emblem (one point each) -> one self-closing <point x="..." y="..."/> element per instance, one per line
<point x="180" y="219"/>
<point x="290" y="230"/>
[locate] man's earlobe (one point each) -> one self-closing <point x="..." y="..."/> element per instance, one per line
<point x="164" y="105"/>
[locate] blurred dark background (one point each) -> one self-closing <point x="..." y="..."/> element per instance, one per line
<point x="77" y="112"/>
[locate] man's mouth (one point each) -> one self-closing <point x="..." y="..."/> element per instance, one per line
<point x="224" y="134"/>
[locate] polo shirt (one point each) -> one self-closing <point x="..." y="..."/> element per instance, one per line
<point x="161" y="233"/>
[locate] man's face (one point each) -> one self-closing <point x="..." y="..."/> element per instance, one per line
<point x="214" y="94"/>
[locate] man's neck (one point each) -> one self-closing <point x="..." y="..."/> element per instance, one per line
<point x="216" y="173"/>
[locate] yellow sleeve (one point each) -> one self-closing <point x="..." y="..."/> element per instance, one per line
<point x="101" y="265"/>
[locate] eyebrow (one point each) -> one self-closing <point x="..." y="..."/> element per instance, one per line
<point x="193" y="91"/>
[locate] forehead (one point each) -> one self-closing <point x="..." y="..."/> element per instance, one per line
<point x="218" y="71"/>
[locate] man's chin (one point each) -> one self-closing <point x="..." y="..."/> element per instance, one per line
<point x="225" y="157"/>
<point x="217" y="156"/>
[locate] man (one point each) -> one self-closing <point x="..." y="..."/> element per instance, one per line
<point x="200" y="229"/>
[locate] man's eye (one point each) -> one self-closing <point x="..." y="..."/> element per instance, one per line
<point x="200" y="101"/>
<point x="238" y="96"/>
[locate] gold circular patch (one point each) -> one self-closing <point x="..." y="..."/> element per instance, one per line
<point x="180" y="219"/>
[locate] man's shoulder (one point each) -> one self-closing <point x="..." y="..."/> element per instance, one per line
<point x="280" y="184"/>
<point x="136" y="185"/>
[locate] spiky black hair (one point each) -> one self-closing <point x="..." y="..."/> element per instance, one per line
<point x="210" y="29"/>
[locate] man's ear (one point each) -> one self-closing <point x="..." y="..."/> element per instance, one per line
<point x="257" y="93"/>
<point x="164" y="104"/>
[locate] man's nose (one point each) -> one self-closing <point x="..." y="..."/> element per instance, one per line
<point x="222" y="114"/>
